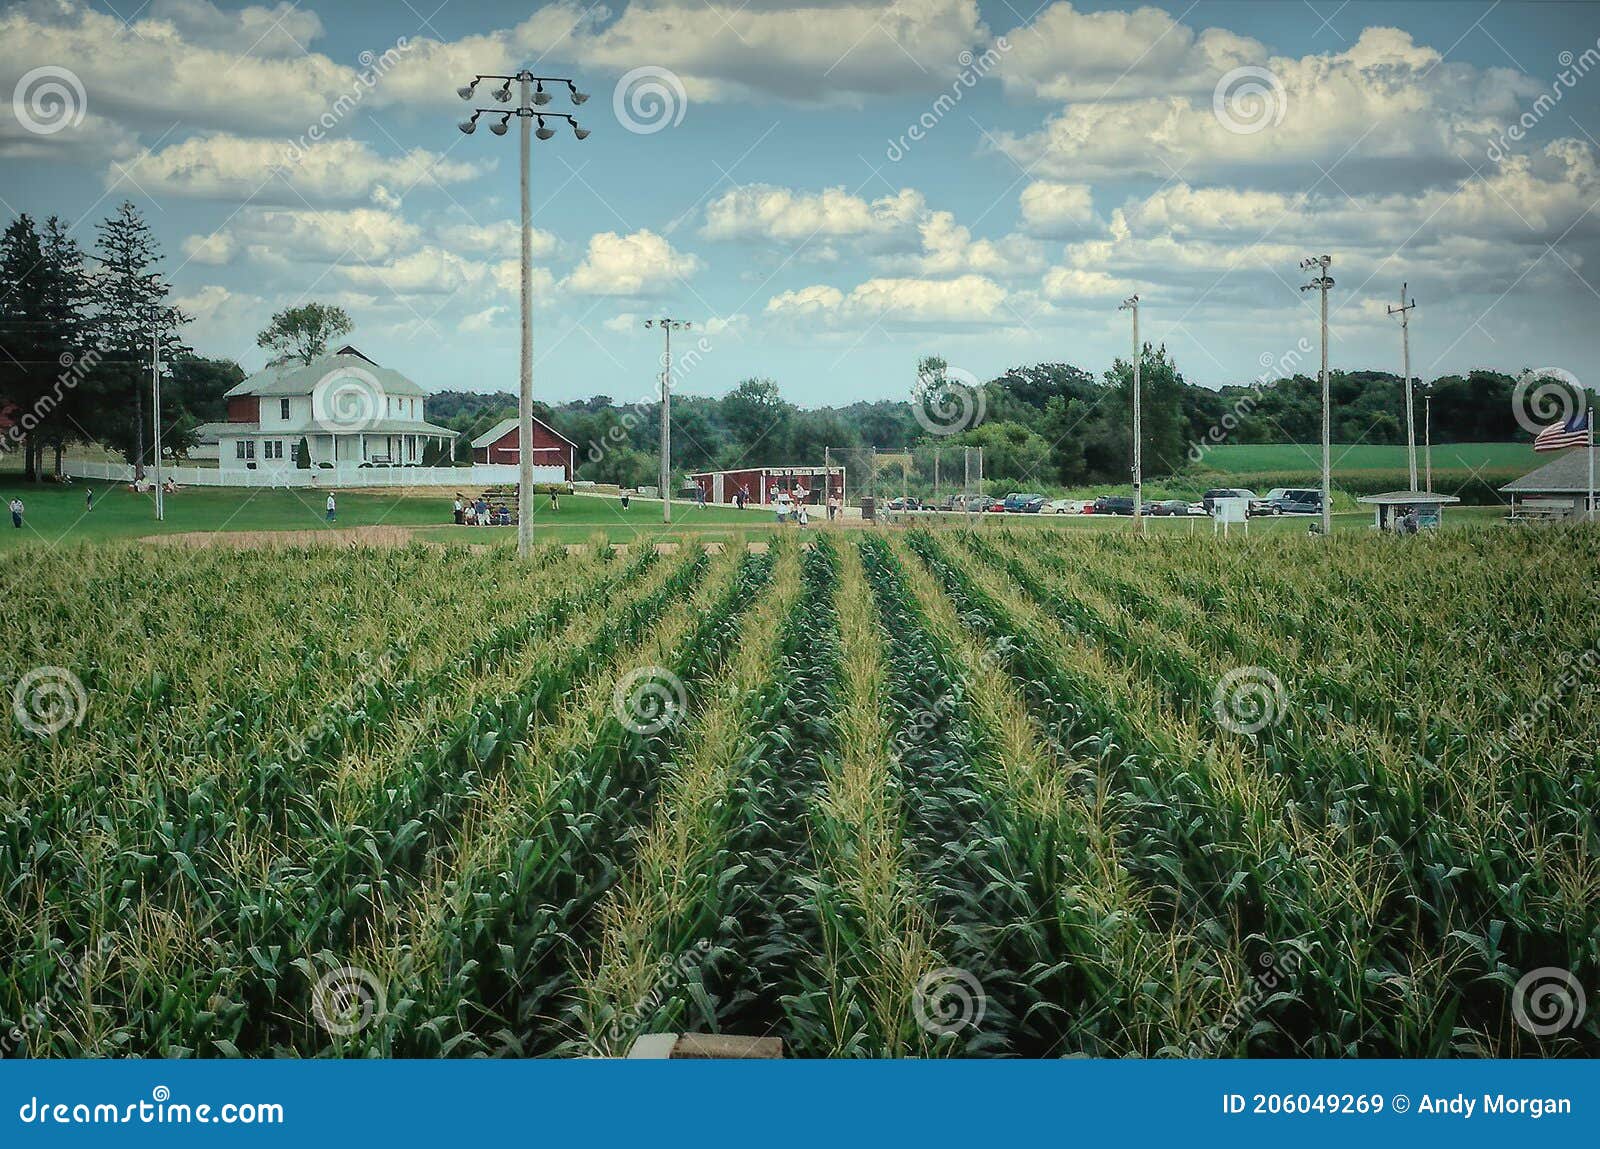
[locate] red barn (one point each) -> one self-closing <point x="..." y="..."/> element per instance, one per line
<point x="499" y="444"/>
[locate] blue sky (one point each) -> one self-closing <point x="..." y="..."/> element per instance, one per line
<point x="777" y="197"/>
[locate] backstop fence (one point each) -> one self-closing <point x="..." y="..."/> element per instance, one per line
<point x="943" y="477"/>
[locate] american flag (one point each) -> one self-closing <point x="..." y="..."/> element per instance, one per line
<point x="1573" y="433"/>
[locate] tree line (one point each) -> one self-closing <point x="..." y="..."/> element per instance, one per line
<point x="78" y="330"/>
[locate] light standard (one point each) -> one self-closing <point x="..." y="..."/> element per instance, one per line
<point x="668" y="326"/>
<point x="1403" y="311"/>
<point x="1132" y="304"/>
<point x="155" y="410"/>
<point x="1321" y="283"/>
<point x="531" y="99"/>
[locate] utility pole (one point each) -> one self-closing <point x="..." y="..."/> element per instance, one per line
<point x="1403" y="311"/>
<point x="1132" y="304"/>
<point x="1321" y="283"/>
<point x="155" y="414"/>
<point x="532" y="99"/>
<point x="667" y="327"/>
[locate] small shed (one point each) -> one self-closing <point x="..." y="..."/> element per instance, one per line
<point x="1557" y="490"/>
<point x="1392" y="505"/>
<point x="500" y="444"/>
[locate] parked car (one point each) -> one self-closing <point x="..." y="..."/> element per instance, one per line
<point x="1295" y="501"/>
<point x="1025" y="504"/>
<point x="1170" y="507"/>
<point x="1210" y="497"/>
<point x="1197" y="508"/>
<point x="1113" y="505"/>
<point x="1065" y="507"/>
<point x="994" y="505"/>
<point x="903" y="503"/>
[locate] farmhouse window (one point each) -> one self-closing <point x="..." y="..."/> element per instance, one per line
<point x="283" y="408"/>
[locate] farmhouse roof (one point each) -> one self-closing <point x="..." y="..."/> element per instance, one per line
<point x="210" y="432"/>
<point x="1567" y="475"/>
<point x="295" y="378"/>
<point x="501" y="429"/>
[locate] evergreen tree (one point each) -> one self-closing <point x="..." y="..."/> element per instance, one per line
<point x="131" y="309"/>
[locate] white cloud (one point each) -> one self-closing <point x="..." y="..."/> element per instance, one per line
<point x="427" y="271"/>
<point x="492" y="318"/>
<point x="1384" y="100"/>
<point x="763" y="211"/>
<point x="235" y="167"/>
<point x="967" y="299"/>
<point x="1065" y="54"/>
<point x="502" y="237"/>
<point x="185" y="61"/>
<point x="211" y="250"/>
<point x="1055" y="210"/>
<point x="634" y="264"/>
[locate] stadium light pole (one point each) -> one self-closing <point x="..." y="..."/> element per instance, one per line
<point x="668" y="326"/>
<point x="1321" y="283"/>
<point x="1403" y="311"/>
<point x="532" y="98"/>
<point x="1427" y="432"/>
<point x="1132" y="304"/>
<point x="155" y="403"/>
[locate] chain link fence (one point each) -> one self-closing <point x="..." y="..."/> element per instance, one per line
<point x="948" y="478"/>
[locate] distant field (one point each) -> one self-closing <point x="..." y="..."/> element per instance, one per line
<point x="1238" y="458"/>
<point x="56" y="515"/>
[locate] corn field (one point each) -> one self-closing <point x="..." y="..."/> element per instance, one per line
<point x="909" y="793"/>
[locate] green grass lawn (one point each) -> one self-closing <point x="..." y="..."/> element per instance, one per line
<point x="56" y="515"/>
<point x="1246" y="458"/>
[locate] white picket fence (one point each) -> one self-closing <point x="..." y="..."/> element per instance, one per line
<point x="341" y="476"/>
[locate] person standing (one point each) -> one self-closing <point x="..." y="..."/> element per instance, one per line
<point x="461" y="512"/>
<point x="554" y="505"/>
<point x="333" y="508"/>
<point x="16" y="513"/>
<point x="833" y="507"/>
<point x="624" y="497"/>
<point x="88" y="498"/>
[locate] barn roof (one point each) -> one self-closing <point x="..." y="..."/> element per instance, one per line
<point x="296" y="378"/>
<point x="501" y="429"/>
<point x="1567" y="475"/>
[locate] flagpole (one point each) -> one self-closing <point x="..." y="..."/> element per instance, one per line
<point x="1591" y="506"/>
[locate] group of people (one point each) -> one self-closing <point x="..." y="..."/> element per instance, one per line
<point x="478" y="513"/>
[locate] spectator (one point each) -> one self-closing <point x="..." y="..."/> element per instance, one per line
<point x="461" y="512"/>
<point x="482" y="509"/>
<point x="16" y="513"/>
<point x="554" y="506"/>
<point x="333" y="508"/>
<point x="833" y="507"/>
<point x="625" y="496"/>
<point x="88" y="498"/>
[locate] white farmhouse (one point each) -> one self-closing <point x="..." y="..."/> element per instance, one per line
<point x="351" y="412"/>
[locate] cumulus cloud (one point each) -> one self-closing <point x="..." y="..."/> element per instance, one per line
<point x="186" y="60"/>
<point x="1055" y="210"/>
<point x="212" y="250"/>
<point x="236" y="167"/>
<point x="1384" y="102"/>
<point x="766" y="212"/>
<point x="357" y="234"/>
<point x="966" y="299"/>
<point x="635" y="264"/>
<point x="501" y="237"/>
